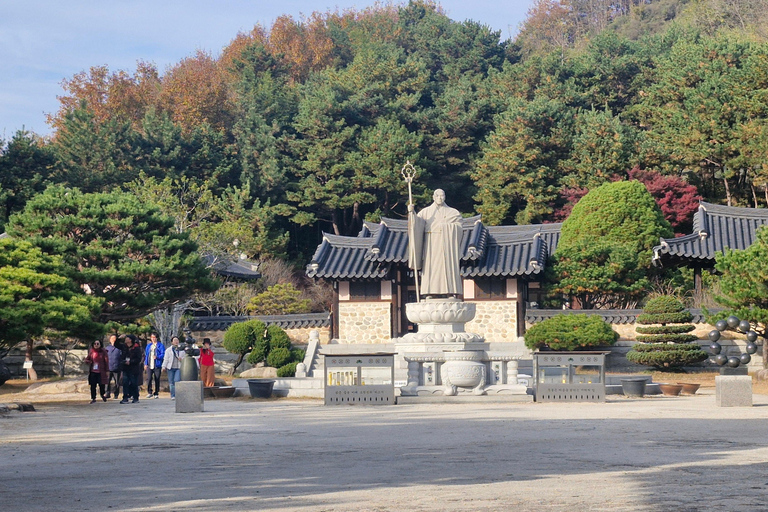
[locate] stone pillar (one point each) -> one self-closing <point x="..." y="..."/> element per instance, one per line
<point x="189" y="396"/>
<point x="512" y="372"/>
<point x="733" y="390"/>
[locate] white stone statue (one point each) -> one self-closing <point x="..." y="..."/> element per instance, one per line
<point x="435" y="239"/>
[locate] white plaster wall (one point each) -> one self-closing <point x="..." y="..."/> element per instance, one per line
<point x="496" y="320"/>
<point x="364" y="322"/>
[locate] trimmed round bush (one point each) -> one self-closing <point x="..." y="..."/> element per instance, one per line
<point x="242" y="337"/>
<point x="278" y="338"/>
<point x="278" y="357"/>
<point x="288" y="370"/>
<point x="570" y="332"/>
<point x="663" y="304"/>
<point x="297" y="354"/>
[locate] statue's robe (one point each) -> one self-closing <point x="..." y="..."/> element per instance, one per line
<point x="438" y="228"/>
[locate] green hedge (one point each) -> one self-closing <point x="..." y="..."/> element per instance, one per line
<point x="570" y="332"/>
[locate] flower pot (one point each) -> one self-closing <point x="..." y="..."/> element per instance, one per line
<point x="260" y="388"/>
<point x="633" y="387"/>
<point x="670" y="389"/>
<point x="689" y="388"/>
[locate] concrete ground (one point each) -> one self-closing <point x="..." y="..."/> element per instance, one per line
<point x="652" y="454"/>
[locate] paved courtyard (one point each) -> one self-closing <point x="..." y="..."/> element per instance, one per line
<point x="651" y="454"/>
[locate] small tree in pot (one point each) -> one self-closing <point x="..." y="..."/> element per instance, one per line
<point x="570" y="332"/>
<point x="663" y="335"/>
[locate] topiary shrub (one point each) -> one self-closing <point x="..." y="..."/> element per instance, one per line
<point x="570" y="332"/>
<point x="274" y="349"/>
<point x="663" y="346"/>
<point x="288" y="370"/>
<point x="241" y="337"/>
<point x="278" y="338"/>
<point x="278" y="357"/>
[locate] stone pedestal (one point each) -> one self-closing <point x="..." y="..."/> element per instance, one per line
<point x="733" y="390"/>
<point x="446" y="361"/>
<point x="189" y="396"/>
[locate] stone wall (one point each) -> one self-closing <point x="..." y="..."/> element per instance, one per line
<point x="496" y="320"/>
<point x="364" y="322"/>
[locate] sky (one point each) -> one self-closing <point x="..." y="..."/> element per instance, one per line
<point x="43" y="42"/>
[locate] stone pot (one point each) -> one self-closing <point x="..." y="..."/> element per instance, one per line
<point x="689" y="388"/>
<point x="634" y="386"/>
<point x="219" y="392"/>
<point x="260" y="388"/>
<point x="670" y="389"/>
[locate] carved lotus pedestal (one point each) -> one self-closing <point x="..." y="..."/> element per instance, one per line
<point x="441" y="321"/>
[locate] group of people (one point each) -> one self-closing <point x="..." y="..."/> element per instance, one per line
<point x="123" y="364"/>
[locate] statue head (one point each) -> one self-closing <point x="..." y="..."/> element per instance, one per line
<point x="439" y="197"/>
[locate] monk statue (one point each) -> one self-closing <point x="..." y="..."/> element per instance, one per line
<point x="434" y="240"/>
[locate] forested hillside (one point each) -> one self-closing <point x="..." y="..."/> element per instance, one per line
<point x="302" y="127"/>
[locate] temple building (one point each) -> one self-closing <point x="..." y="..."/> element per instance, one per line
<point x="501" y="267"/>
<point x="716" y="229"/>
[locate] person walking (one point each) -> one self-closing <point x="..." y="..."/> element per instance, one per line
<point x="172" y="364"/>
<point x="206" y="364"/>
<point x="98" y="369"/>
<point x="114" y="354"/>
<point x="153" y="364"/>
<point x="132" y="358"/>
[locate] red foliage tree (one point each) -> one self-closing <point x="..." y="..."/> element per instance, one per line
<point x="677" y="198"/>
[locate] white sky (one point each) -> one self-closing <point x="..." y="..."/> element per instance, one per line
<point x="43" y="42"/>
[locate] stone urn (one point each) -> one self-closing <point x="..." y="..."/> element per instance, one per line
<point x="463" y="369"/>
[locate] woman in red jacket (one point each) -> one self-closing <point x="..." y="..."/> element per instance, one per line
<point x="98" y="369"/>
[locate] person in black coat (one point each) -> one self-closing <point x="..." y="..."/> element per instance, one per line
<point x="132" y="369"/>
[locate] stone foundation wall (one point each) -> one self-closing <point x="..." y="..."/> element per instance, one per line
<point x="364" y="322"/>
<point x="495" y="320"/>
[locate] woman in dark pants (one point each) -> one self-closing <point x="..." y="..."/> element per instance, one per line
<point x="98" y="370"/>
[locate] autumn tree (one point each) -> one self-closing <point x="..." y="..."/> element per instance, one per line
<point x="117" y="96"/>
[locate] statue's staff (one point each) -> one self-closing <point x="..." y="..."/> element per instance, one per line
<point x="414" y="256"/>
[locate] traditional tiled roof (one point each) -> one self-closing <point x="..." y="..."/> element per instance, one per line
<point x="296" y="321"/>
<point x="345" y="257"/>
<point x="486" y="251"/>
<point x="241" y="269"/>
<point x="716" y="228"/>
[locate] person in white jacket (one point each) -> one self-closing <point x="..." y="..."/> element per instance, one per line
<point x="172" y="364"/>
